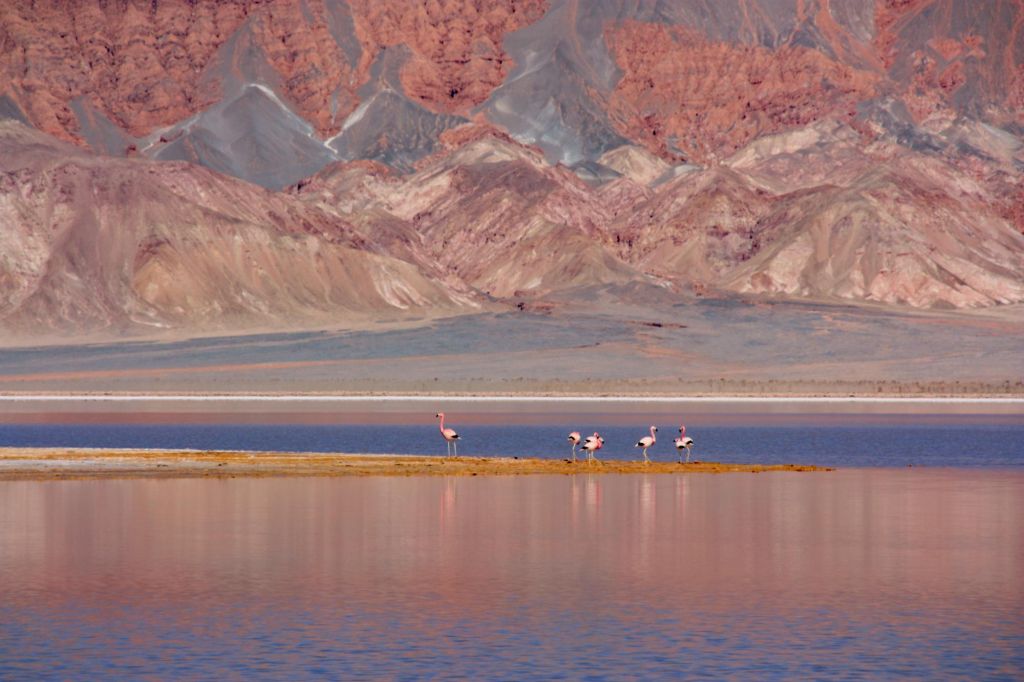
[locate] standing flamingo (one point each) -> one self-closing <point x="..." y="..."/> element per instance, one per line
<point x="574" y="438"/>
<point x="592" y="444"/>
<point x="449" y="435"/>
<point x="648" y="441"/>
<point x="683" y="441"/>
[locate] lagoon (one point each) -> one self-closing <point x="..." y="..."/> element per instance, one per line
<point x="911" y="573"/>
<point x="914" y="440"/>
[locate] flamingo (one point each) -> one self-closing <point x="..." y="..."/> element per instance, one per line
<point x="574" y="438"/>
<point x="683" y="441"/>
<point x="648" y="441"/>
<point x="449" y="435"/>
<point x="592" y="444"/>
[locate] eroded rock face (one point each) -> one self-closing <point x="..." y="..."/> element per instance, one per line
<point x="488" y="212"/>
<point x="312" y="58"/>
<point x="687" y="79"/>
<point x="960" y="57"/>
<point x="93" y="243"/>
<point x="145" y="65"/>
<point x="816" y="212"/>
<point x="635" y="163"/>
<point x="138" y="63"/>
<point x="687" y="98"/>
<point x="458" y="151"/>
<point x="457" y="57"/>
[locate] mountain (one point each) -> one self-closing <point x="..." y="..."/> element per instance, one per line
<point x="896" y="227"/>
<point x="91" y="242"/>
<point x="265" y="91"/>
<point x="247" y="163"/>
<point x="818" y="214"/>
<point x="493" y="213"/>
<point x="233" y="84"/>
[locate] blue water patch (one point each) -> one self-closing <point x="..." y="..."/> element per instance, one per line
<point x="841" y="446"/>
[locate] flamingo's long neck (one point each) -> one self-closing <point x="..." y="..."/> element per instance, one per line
<point x="441" y="425"/>
<point x="653" y="437"/>
<point x="682" y="432"/>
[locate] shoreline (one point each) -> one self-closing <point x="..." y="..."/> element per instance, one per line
<point x="104" y="463"/>
<point x="508" y="408"/>
<point x="112" y="396"/>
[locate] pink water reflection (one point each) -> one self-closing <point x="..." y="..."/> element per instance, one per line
<point x="773" y="574"/>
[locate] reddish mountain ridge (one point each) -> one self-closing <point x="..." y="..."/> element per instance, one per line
<point x="688" y="79"/>
<point x="463" y="153"/>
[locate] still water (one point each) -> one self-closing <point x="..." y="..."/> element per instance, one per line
<point x="886" y="445"/>
<point x="857" y="573"/>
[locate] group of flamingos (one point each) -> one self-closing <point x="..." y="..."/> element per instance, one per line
<point x="591" y="444"/>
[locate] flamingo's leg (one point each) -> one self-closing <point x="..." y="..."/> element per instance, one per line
<point x="456" y="444"/>
<point x="687" y="454"/>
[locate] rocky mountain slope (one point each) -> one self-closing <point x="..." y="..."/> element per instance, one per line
<point x="90" y="242"/>
<point x="253" y="163"/>
<point x="817" y="213"/>
<point x="226" y="83"/>
<point x="898" y="227"/>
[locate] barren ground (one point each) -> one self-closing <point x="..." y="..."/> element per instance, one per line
<point x="64" y="463"/>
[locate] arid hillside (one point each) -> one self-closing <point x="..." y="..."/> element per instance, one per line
<point x="171" y="165"/>
<point x="93" y="243"/>
<point x="895" y="227"/>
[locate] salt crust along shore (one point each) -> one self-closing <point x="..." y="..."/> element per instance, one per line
<point x="72" y="463"/>
<point x="510" y="397"/>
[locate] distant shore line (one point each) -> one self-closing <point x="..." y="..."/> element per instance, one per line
<point x="558" y="398"/>
<point x="93" y="463"/>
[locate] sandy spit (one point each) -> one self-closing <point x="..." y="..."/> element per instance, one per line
<point x="79" y="463"/>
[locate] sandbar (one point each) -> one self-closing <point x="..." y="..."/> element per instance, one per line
<point x="88" y="463"/>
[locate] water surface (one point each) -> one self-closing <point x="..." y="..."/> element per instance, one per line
<point x="886" y="445"/>
<point x="858" y="573"/>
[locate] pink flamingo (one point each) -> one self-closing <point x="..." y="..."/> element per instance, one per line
<point x="683" y="441"/>
<point x="647" y="441"/>
<point x="592" y="444"/>
<point x="574" y="438"/>
<point x="449" y="435"/>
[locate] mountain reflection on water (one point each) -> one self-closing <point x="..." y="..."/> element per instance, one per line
<point x="878" y="573"/>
